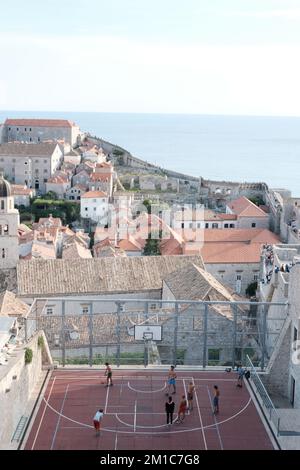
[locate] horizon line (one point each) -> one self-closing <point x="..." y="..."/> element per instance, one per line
<point x="151" y="113"/>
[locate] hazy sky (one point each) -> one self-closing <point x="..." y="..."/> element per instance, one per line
<point x="181" y="56"/>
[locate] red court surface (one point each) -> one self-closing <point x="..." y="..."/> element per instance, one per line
<point x="134" y="413"/>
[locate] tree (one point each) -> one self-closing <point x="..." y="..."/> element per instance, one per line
<point x="151" y="247"/>
<point x="251" y="289"/>
<point x="147" y="203"/>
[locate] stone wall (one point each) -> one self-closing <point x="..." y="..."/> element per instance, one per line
<point x="17" y="382"/>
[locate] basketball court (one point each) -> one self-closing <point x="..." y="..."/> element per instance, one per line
<point x="134" y="413"/>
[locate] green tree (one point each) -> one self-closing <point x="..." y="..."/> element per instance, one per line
<point x="251" y="289"/>
<point x="152" y="247"/>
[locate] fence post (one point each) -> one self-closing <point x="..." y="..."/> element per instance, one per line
<point x="118" y="333"/>
<point x="204" y="363"/>
<point x="264" y="334"/>
<point x="63" y="340"/>
<point x="175" y="335"/>
<point x="91" y="335"/>
<point x="234" y="309"/>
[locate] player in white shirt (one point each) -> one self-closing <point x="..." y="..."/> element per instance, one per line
<point x="97" y="421"/>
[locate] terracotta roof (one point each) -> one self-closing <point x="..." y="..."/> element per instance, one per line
<point x="39" y="122"/>
<point x="245" y="208"/>
<point x="20" y="190"/>
<point x="58" y="179"/>
<point x="231" y="253"/>
<point x="193" y="283"/>
<point x="240" y="235"/>
<point x="107" y="275"/>
<point x="130" y="244"/>
<point x="31" y="150"/>
<point x="99" y="177"/>
<point x="11" y="306"/>
<point x="75" y="250"/>
<point x="93" y="194"/>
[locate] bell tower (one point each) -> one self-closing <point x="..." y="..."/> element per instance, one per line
<point x="9" y="222"/>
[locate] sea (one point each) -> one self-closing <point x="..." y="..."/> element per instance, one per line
<point x="229" y="148"/>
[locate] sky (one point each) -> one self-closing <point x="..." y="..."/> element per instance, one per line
<point x="151" y="56"/>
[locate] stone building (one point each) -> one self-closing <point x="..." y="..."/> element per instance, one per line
<point x="94" y="207"/>
<point x="248" y="214"/>
<point x="40" y="130"/>
<point x="30" y="164"/>
<point x="9" y="222"/>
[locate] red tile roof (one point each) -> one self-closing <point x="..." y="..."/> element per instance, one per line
<point x="40" y="122"/>
<point x="245" y="208"/>
<point x="94" y="194"/>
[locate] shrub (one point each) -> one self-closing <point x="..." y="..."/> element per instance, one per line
<point x="28" y="355"/>
<point x="41" y="342"/>
<point x="251" y="289"/>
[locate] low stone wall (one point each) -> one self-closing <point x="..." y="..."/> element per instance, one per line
<point x="17" y="383"/>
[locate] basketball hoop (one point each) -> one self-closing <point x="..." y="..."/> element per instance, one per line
<point x="148" y="335"/>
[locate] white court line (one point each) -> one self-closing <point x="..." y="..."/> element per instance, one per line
<point x="59" y="418"/>
<point x="185" y="394"/>
<point x="42" y="417"/>
<point x="200" y="417"/>
<point x="140" y="426"/>
<point x="106" y="401"/>
<point x="116" y="441"/>
<point x="146" y="391"/>
<point x="147" y="377"/>
<point x="134" y="422"/>
<point x="149" y="432"/>
<point x="216" y="422"/>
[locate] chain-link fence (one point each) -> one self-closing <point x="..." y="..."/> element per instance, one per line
<point x="192" y="333"/>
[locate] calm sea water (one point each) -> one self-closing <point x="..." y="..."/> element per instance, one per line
<point x="229" y="148"/>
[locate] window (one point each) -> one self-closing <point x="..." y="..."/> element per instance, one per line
<point x="9" y="128"/>
<point x="86" y="209"/>
<point x="36" y="161"/>
<point x="206" y="225"/>
<point x="30" y="139"/>
<point x="190" y="225"/>
<point x="2" y="205"/>
<point x="238" y="277"/>
<point x="225" y="225"/>
<point x="153" y="307"/>
<point x="95" y="208"/>
<point x="85" y="310"/>
<point x="5" y="229"/>
<point x="103" y="200"/>
<point x="182" y="225"/>
<point x="45" y="180"/>
<point x="14" y="160"/>
<point x="231" y="225"/>
<point x="45" y="171"/>
<point x="25" y="129"/>
<point x="215" y="225"/>
<point x="36" y="171"/>
<point x="29" y="129"/>
<point x="213" y="355"/>
<point x="3" y="253"/>
<point x="94" y="200"/>
<point x="49" y="311"/>
<point x="255" y="277"/>
<point x="253" y="225"/>
<point x="39" y="139"/>
<point x="17" y="129"/>
<point x="198" y="225"/>
<point x="25" y="163"/>
<point x="295" y="338"/>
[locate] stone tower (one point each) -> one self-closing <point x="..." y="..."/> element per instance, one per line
<point x="9" y="222"/>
